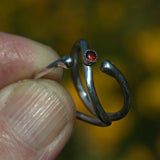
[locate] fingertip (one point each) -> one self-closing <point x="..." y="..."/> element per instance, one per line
<point x="40" y="114"/>
<point x="21" y="58"/>
<point x="45" y="56"/>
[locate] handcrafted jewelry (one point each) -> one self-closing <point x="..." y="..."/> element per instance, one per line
<point x="89" y="97"/>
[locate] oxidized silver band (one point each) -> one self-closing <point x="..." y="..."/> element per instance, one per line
<point x="89" y="97"/>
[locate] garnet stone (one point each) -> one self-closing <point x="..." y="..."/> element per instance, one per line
<point x="91" y="55"/>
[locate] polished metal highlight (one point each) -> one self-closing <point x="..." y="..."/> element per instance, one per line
<point x="89" y="96"/>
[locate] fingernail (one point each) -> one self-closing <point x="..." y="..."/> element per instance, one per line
<point x="35" y="113"/>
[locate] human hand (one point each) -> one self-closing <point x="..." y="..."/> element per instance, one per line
<point x="36" y="116"/>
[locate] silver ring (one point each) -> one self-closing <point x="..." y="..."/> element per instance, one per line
<point x="89" y="96"/>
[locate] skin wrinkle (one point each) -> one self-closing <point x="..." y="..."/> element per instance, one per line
<point x="15" y="139"/>
<point x="46" y="85"/>
<point x="36" y="115"/>
<point x="39" y="126"/>
<point x="5" y="138"/>
<point x="11" y="145"/>
<point x="27" y="109"/>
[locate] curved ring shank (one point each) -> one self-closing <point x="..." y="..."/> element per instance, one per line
<point x="90" y="98"/>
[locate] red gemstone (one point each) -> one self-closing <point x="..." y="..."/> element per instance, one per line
<point x="91" y="55"/>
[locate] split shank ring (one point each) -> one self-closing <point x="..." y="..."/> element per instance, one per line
<point x="89" y="96"/>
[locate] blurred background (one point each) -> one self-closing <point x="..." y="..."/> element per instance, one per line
<point x="127" y="32"/>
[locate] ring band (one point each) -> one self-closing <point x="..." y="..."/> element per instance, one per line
<point x="89" y="96"/>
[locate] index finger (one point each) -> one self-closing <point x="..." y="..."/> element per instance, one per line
<point x="21" y="58"/>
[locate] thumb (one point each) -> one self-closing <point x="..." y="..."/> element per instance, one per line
<point x="36" y="120"/>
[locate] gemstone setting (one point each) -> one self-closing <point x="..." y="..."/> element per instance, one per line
<point x="90" y="57"/>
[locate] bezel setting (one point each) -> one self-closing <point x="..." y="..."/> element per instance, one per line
<point x="90" y="57"/>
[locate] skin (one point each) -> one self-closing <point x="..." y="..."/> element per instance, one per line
<point x="36" y="116"/>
